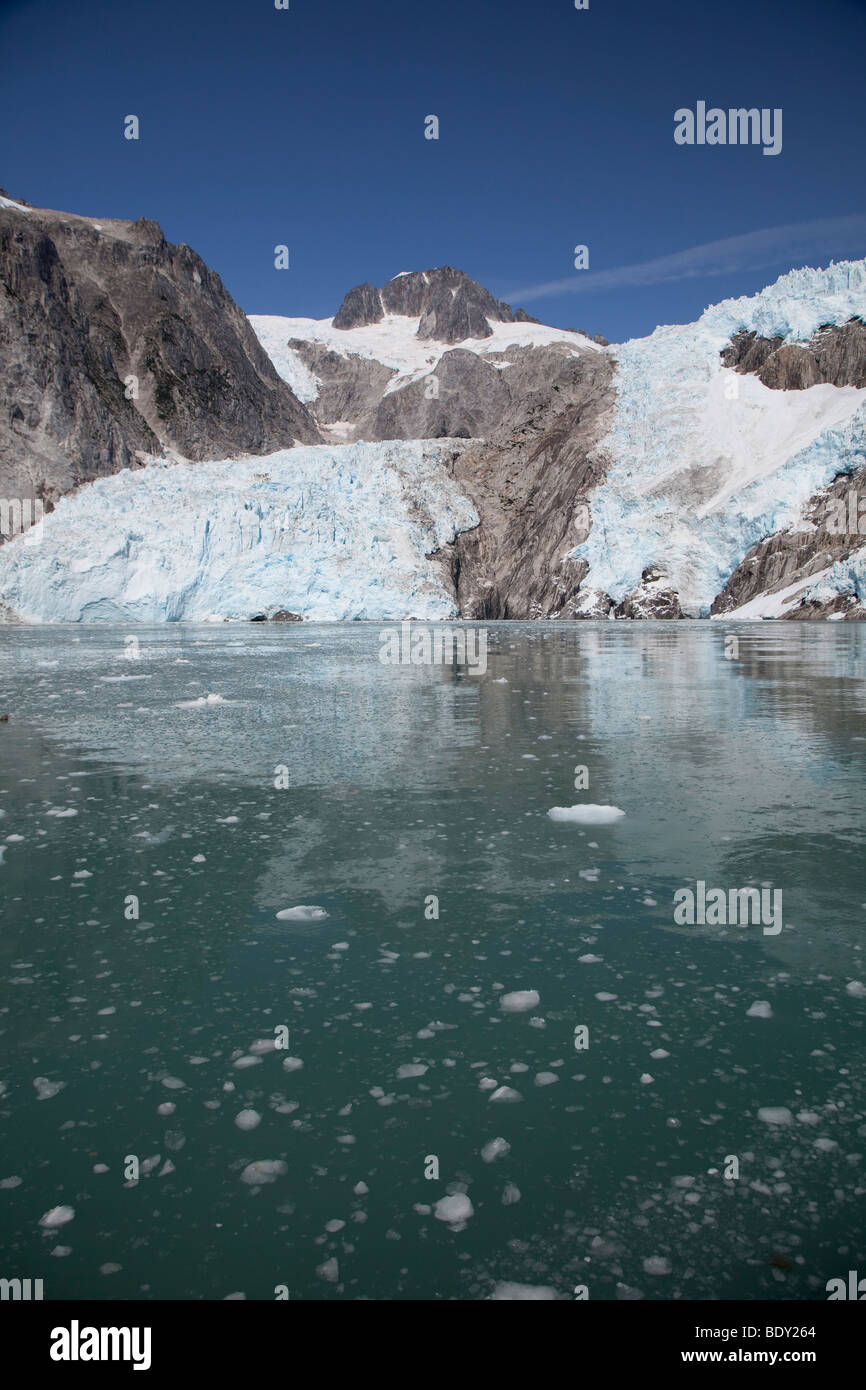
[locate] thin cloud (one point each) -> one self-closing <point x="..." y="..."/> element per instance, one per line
<point x="829" y="236"/>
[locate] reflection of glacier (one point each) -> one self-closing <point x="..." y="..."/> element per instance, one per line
<point x="705" y="462"/>
<point x="315" y="699"/>
<point x="328" y="532"/>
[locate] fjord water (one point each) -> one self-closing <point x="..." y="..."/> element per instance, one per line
<point x="118" y="777"/>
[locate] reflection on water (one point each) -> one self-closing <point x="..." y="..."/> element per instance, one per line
<point x="322" y="776"/>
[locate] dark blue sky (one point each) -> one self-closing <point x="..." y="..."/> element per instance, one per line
<point x="306" y="127"/>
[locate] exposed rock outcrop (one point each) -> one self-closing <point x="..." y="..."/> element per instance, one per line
<point x="788" y="556"/>
<point x="653" y="598"/>
<point x="451" y="306"/>
<point x="836" y="354"/>
<point x="529" y="482"/>
<point x="116" y="344"/>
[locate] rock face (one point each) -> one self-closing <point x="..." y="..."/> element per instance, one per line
<point x="653" y="598"/>
<point x="530" y="482"/>
<point x="116" y="344"/>
<point x="451" y="306"/>
<point x="783" y="559"/>
<point x="836" y="354"/>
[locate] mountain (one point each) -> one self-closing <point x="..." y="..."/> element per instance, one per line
<point x="428" y="452"/>
<point x="117" y="346"/>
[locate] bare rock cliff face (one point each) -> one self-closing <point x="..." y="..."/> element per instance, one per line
<point x="835" y="355"/>
<point x="530" y="481"/>
<point x="451" y="306"/>
<point x="87" y="304"/>
<point x="780" y="560"/>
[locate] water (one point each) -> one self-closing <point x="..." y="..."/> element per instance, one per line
<point x="404" y="784"/>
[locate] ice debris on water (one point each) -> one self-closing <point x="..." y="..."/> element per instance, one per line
<point x="456" y="1210"/>
<point x="57" y="1216"/>
<point x="496" y="1148"/>
<point x="302" y="913"/>
<point x="586" y="814"/>
<point x="264" y="1170"/>
<point x="520" y="1001"/>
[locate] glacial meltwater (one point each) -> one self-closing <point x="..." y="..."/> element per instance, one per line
<point x="484" y="1054"/>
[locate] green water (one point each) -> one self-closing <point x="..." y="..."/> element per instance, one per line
<point x="406" y="783"/>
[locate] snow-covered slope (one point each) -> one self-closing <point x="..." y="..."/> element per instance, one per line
<point x="702" y="461"/>
<point x="394" y="343"/>
<point x="328" y="533"/>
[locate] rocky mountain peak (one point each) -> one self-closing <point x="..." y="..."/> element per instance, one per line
<point x="451" y="306"/>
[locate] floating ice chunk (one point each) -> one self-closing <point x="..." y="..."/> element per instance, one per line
<point x="264" y="1170"/>
<point x="586" y="814"/>
<point x="168" y="1107"/>
<point x="659" y="1054"/>
<point x="646" y="1079"/>
<point x="657" y="1264"/>
<point x="7" y="1183"/>
<point x="826" y="1146"/>
<point x="605" y="998"/>
<point x="292" y="1063"/>
<point x="506" y="1094"/>
<point x="110" y="1268"/>
<point x="410" y="1069"/>
<point x="57" y="1216"/>
<point x="589" y="960"/>
<point x="856" y="989"/>
<point x="775" y="1115"/>
<point x="302" y="913"/>
<point x="61" y="814"/>
<point x="496" y="1148"/>
<point x="760" y="1009"/>
<point x="243" y="1062"/>
<point x="506" y="1291"/>
<point x="511" y="1194"/>
<point x="456" y="1210"/>
<point x="199" y="859"/>
<point x="45" y="1089"/>
<point x="262" y="1046"/>
<point x="100" y="1167"/>
<point x="205" y="702"/>
<point x="329" y="1271"/>
<point x="248" y="1119"/>
<point x="82" y="873"/>
<point x="173" y="1083"/>
<point x="360" y="1189"/>
<point x="520" y="1001"/>
<point x="546" y="1078"/>
<point x="333" y="1226"/>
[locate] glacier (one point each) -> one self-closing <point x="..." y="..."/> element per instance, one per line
<point x="328" y="532"/>
<point x="704" y="462"/>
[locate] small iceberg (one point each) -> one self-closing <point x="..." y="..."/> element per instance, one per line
<point x="586" y="814"/>
<point x="302" y="913"/>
